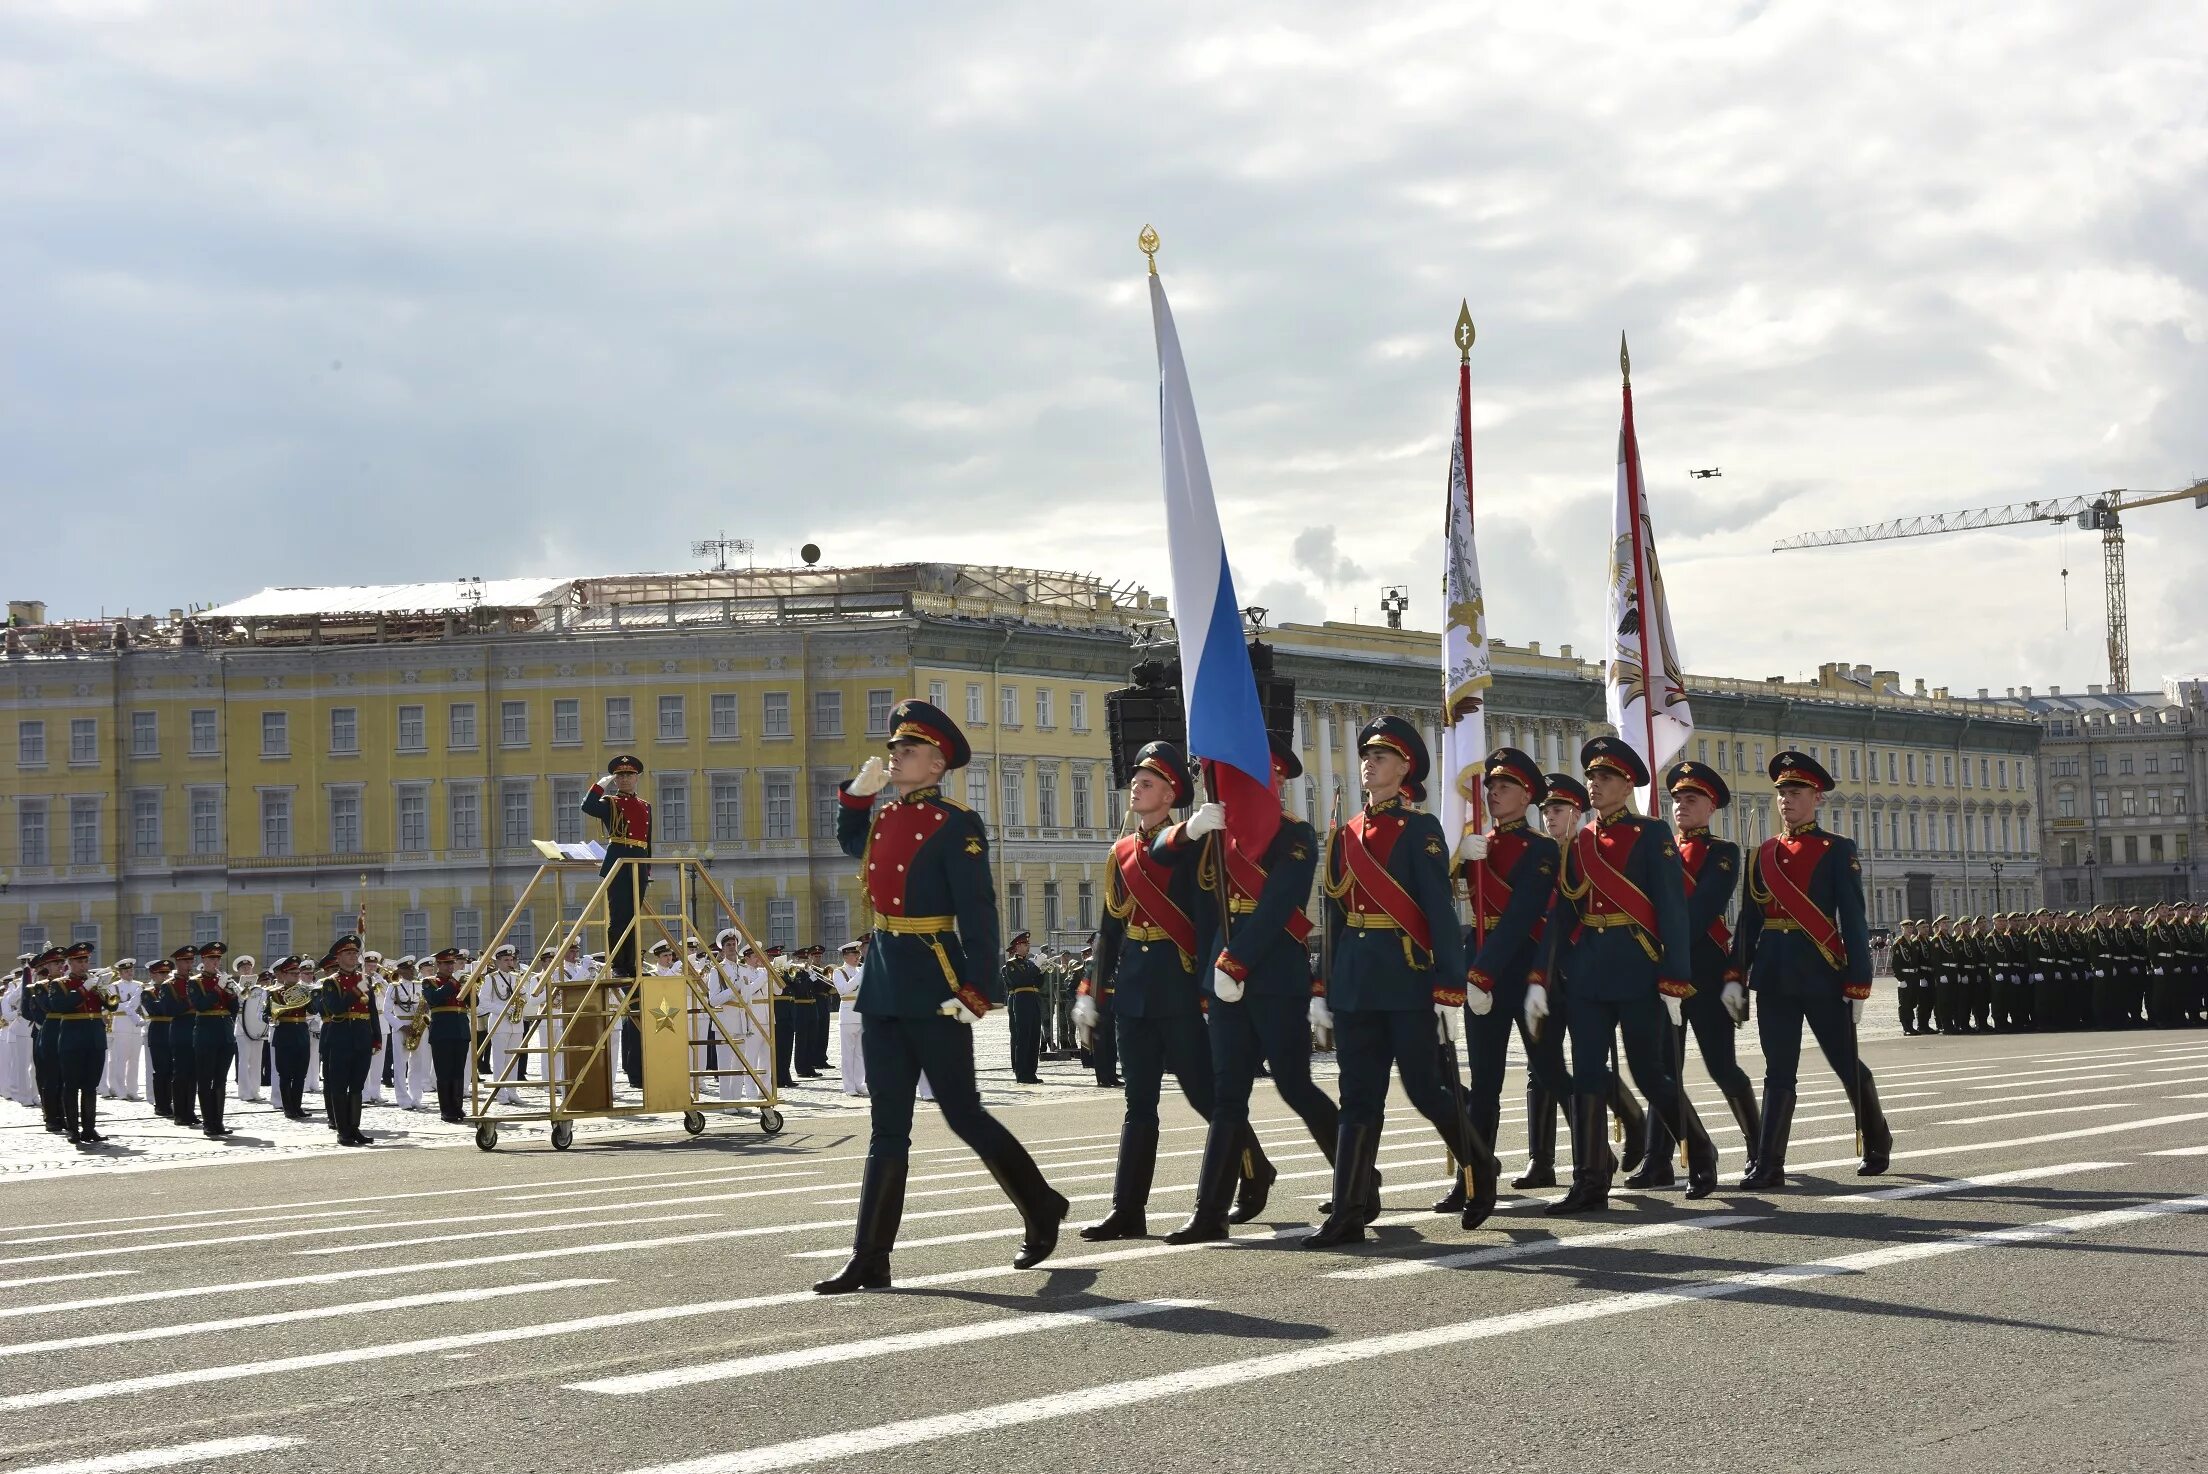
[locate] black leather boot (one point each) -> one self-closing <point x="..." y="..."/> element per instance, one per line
<point x="1452" y="1201"/>
<point x="881" y="1206"/>
<point x="1042" y="1208"/>
<point x="1701" y="1151"/>
<point x="1254" y="1186"/>
<point x="1878" y="1137"/>
<point x="88" y="1114"/>
<point x="1131" y="1179"/>
<point x="1353" y="1205"/>
<point x="1656" y="1147"/>
<point x="1769" y="1170"/>
<point x="1541" y="1108"/>
<point x="1750" y="1122"/>
<point x="1215" y="1182"/>
<point x="1477" y="1175"/>
<point x="1632" y="1122"/>
<point x="1590" y="1190"/>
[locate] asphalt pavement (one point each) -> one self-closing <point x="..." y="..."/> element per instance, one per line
<point x="2023" y="1290"/>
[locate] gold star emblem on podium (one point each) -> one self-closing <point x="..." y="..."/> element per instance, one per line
<point x="664" y="1016"/>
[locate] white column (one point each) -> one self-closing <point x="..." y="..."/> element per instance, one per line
<point x="1326" y="761"/>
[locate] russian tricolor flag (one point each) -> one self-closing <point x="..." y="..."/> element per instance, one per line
<point x="1226" y="726"/>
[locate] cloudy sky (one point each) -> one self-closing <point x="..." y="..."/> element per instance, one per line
<point x="300" y="294"/>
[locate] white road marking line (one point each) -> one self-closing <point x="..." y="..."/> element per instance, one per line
<point x="1533" y="1248"/>
<point x="2111" y="1129"/>
<point x="812" y="1356"/>
<point x="503" y="1233"/>
<point x="118" y="1233"/>
<point x="55" y="1279"/>
<point x="166" y="1458"/>
<point x="1965" y="1184"/>
<point x="286" y="1317"/>
<point x="1241" y="1373"/>
<point x="2053" y="1077"/>
<point x="2181" y="1151"/>
<point x="718" y="1177"/>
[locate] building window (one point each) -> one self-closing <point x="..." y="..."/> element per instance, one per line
<point x="276" y="823"/>
<point x="2130" y="803"/>
<point x="2150" y="763"/>
<point x="937" y="697"/>
<point x="1042" y="708"/>
<point x="1951" y="845"/>
<point x="974" y="714"/>
<point x="467" y="928"/>
<point x="1051" y="918"/>
<point x="1077" y="710"/>
<point x="206" y="809"/>
<point x="781" y="922"/>
<point x="774" y="719"/>
<point x="1084" y="906"/>
<point x="826" y="800"/>
<point x="84" y="740"/>
<point x="145" y="938"/>
<point x="203" y="731"/>
<point x="1079" y="818"/>
<point x="620" y="727"/>
<point x="2131" y="849"/>
<point x="2100" y="765"/>
<point x="728" y="807"/>
<point x="413" y="824"/>
<point x="414" y="932"/>
<point x="1855" y="763"/>
<point x="275" y="937"/>
<point x="2123" y="766"/>
<point x="275" y="734"/>
<point x="1009" y="787"/>
<point x="2154" y="847"/>
<point x="2066" y="804"/>
<point x="1008" y="706"/>
<point x="523" y="934"/>
<point x="672" y="807"/>
<point x="2100" y="806"/>
<point x="1740" y="756"/>
<point x="878" y="704"/>
<point x="460" y="727"/>
<point x="1947" y="769"/>
<point x="977" y="792"/>
<point x="674" y="719"/>
<point x="827" y="713"/>
<point x="722" y="709"/>
<point x="145" y="734"/>
<point x="413" y="729"/>
<point x="2177" y="801"/>
<point x="1914" y="845"/>
<point x="2154" y="803"/>
<point x="1046" y="796"/>
<point x="1724" y="763"/>
<point x="567" y="721"/>
<point x="464" y="815"/>
<point x="31" y="846"/>
<point x="84" y="831"/>
<point x="567" y="810"/>
<point x="835" y="921"/>
<point x="513" y="724"/>
<point x="344" y="821"/>
<point x="2177" y="762"/>
<point x="517" y="818"/>
<point x="781" y="795"/>
<point x="1015" y="908"/>
<point x="145" y="823"/>
<point x="344" y="729"/>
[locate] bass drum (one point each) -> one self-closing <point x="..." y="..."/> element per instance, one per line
<point x="253" y="1014"/>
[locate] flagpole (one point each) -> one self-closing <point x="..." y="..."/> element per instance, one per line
<point x="1640" y="570"/>
<point x="1476" y="800"/>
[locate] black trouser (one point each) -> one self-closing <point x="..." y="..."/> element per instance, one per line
<point x="46" y="1073"/>
<point x="448" y="1057"/>
<point x="632" y="1050"/>
<point x="1027" y="1034"/>
<point x="290" y="1043"/>
<point x="184" y="1066"/>
<point x="1487" y="1047"/>
<point x="1275" y="1031"/>
<point x="160" y="1066"/>
<point x="214" y="1051"/>
<point x="816" y="1032"/>
<point x="785" y="1039"/>
<point x="77" y="1070"/>
<point x="898" y="1051"/>
<point x="1104" y="1053"/>
<point x="348" y="1052"/>
<point x="1779" y="1021"/>
<point x="624" y="898"/>
<point x="1368" y="1041"/>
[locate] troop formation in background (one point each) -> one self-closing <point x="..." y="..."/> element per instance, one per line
<point x="2113" y="967"/>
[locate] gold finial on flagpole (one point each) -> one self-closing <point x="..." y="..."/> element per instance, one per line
<point x="1625" y="362"/>
<point x="1465" y="334"/>
<point x="1148" y="241"/>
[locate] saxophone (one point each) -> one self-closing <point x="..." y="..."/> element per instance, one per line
<point x="410" y="1033"/>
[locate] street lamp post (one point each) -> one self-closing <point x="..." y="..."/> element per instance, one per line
<point x="2092" y="897"/>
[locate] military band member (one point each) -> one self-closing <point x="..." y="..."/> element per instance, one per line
<point x="851" y="1056"/>
<point x="1903" y="961"/>
<point x="38" y="1000"/>
<point x="1023" y="986"/>
<point x="1260" y="990"/>
<point x="155" y="1003"/>
<point x="445" y="996"/>
<point x="825" y="1003"/>
<point x="214" y="999"/>
<point x="288" y="1039"/>
<point x="249" y="1027"/>
<point x="783" y="990"/>
<point x="1805" y="949"/>
<point x="125" y="1045"/>
<point x="183" y="1039"/>
<point x="930" y="974"/>
<point x="16" y="1081"/>
<point x="1157" y="921"/>
<point x="1398" y="982"/>
<point x="1619" y="950"/>
<point x="1711" y="870"/>
<point x="76" y="1025"/>
<point x="352" y="1036"/>
<point x="401" y="1008"/>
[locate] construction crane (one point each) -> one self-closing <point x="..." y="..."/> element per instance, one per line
<point x="2102" y="513"/>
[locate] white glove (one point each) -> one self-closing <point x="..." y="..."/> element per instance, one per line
<point x="952" y="1008"/>
<point x="2098" y="973"/>
<point x="1452" y="1023"/>
<point x="1855" y="1009"/>
<point x="1472" y="848"/>
<point x="1677" y="1008"/>
<point x="1225" y="986"/>
<point x="1322" y="1022"/>
<point x="1206" y="819"/>
<point x="1480" y="1001"/>
<point x="1537" y="1006"/>
<point x="1736" y="1002"/>
<point x="1085" y="1019"/>
<point x="872" y="778"/>
<point x="2039" y="977"/>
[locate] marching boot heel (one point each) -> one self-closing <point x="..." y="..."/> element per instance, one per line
<point x="1254" y="1187"/>
<point x="1878" y="1137"/>
<point x="1215" y="1182"/>
<point x="881" y="1206"/>
<point x="1750" y="1122"/>
<point x="1131" y="1178"/>
<point x="1540" y="1141"/>
<point x="1632" y="1123"/>
<point x="1769" y="1171"/>
<point x="1042" y="1208"/>
<point x="1656" y="1147"/>
<point x="1348" y="1211"/>
<point x="1592" y="1162"/>
<point x="1476" y="1175"/>
<point x="1701" y="1152"/>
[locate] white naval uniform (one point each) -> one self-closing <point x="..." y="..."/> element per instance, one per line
<point x="249" y="1065"/>
<point x="498" y="1019"/>
<point x="847" y="1030"/>
<point x="725" y="985"/>
<point x="16" y="1076"/>
<point x="410" y="1068"/>
<point x="372" y="1092"/>
<point x="581" y="971"/>
<point x="126" y="1046"/>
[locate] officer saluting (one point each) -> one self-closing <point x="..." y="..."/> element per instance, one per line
<point x="1399" y="976"/>
<point x="930" y="974"/>
<point x="1617" y="940"/>
<point x="628" y="821"/>
<point x="1805" y="948"/>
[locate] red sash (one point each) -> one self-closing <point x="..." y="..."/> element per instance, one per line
<point x="1372" y="877"/>
<point x="1602" y="856"/>
<point x="1248" y="877"/>
<point x="1719" y="932"/>
<point x="1790" y="895"/>
<point x="1152" y="904"/>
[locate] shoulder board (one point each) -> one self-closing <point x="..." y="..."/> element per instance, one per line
<point x="950" y="803"/>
